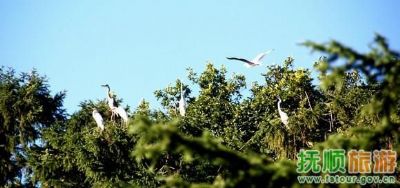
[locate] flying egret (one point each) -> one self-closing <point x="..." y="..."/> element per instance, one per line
<point x="121" y="113"/>
<point x="283" y="115"/>
<point x="255" y="62"/>
<point x="99" y="120"/>
<point x="182" y="103"/>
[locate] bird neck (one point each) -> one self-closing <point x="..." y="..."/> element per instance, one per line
<point x="279" y="106"/>
<point x="108" y="91"/>
<point x="182" y="93"/>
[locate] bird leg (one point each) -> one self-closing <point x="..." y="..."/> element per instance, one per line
<point x="308" y="99"/>
<point x="331" y="122"/>
<point x="112" y="114"/>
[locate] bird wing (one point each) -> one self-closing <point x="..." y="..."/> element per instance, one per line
<point x="122" y="113"/>
<point x="240" y="59"/>
<point x="284" y="117"/>
<point x="182" y="103"/>
<point x="111" y="102"/>
<point x="259" y="57"/>
<point x="182" y="106"/>
<point x="99" y="120"/>
<point x="97" y="116"/>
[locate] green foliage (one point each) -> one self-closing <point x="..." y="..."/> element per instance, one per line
<point x="78" y="154"/>
<point x="226" y="138"/>
<point x="380" y="68"/>
<point x="26" y="108"/>
<point x="349" y="107"/>
<point x="241" y="170"/>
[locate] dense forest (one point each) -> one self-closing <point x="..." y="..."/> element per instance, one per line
<point x="223" y="140"/>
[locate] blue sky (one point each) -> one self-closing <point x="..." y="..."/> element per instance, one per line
<point x="140" y="46"/>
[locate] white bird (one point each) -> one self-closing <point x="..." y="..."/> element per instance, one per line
<point x="115" y="110"/>
<point x="182" y="103"/>
<point x="110" y="101"/>
<point x="121" y="113"/>
<point x="255" y="62"/>
<point x="110" y="97"/>
<point x="283" y="115"/>
<point x="99" y="120"/>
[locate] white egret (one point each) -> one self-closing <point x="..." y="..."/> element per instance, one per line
<point x="182" y="103"/>
<point x="99" y="120"/>
<point x="115" y="110"/>
<point x="110" y="101"/>
<point x="110" y="97"/>
<point x="255" y="62"/>
<point x="121" y="113"/>
<point x="283" y="115"/>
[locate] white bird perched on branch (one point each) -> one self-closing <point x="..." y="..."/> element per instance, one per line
<point x="255" y="62"/>
<point x="283" y="115"/>
<point x="121" y="113"/>
<point x="99" y="120"/>
<point x="182" y="103"/>
<point x="115" y="110"/>
<point x="110" y="97"/>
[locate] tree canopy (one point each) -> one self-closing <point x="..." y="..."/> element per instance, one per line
<point x="226" y="139"/>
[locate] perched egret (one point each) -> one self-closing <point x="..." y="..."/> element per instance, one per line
<point x="255" y="62"/>
<point x="121" y="113"/>
<point x="283" y="115"/>
<point x="182" y="103"/>
<point x="99" y="120"/>
<point x="110" y="97"/>
<point x="110" y="101"/>
<point x="114" y="108"/>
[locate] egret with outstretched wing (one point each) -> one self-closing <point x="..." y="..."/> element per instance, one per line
<point x="255" y="62"/>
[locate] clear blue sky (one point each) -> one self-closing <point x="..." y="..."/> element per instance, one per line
<point x="140" y="46"/>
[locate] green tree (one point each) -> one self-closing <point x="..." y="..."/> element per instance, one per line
<point x="78" y="154"/>
<point x="226" y="139"/>
<point x="356" y="107"/>
<point x="26" y="108"/>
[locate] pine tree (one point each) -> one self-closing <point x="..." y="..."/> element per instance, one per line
<point x="26" y="108"/>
